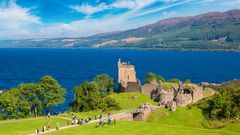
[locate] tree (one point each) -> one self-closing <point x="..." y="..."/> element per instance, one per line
<point x="31" y="93"/>
<point x="111" y="104"/>
<point x="160" y="79"/>
<point x="51" y="92"/>
<point x="31" y="99"/>
<point x="150" y="77"/>
<point x="105" y="83"/>
<point x="87" y="97"/>
<point x="225" y="104"/>
<point x="9" y="104"/>
<point x="94" y="95"/>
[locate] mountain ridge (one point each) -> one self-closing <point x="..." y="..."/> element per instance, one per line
<point x="208" y="31"/>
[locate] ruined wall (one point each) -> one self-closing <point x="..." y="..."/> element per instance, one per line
<point x="142" y="116"/>
<point x="166" y="96"/>
<point x="133" y="87"/>
<point x="183" y="99"/>
<point x="197" y="95"/>
<point x="124" y="117"/>
<point x="148" y="88"/>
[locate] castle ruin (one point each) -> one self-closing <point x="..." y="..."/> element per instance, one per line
<point x="177" y="95"/>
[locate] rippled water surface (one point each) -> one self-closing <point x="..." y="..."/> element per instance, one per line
<point x="72" y="66"/>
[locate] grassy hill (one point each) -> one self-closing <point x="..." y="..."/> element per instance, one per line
<point x="184" y="121"/>
<point x="131" y="100"/>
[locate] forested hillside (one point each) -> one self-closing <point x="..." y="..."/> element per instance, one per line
<point x="210" y="31"/>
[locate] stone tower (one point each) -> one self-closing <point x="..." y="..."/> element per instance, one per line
<point x="127" y="79"/>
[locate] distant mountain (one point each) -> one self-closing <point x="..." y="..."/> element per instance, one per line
<point x="219" y="31"/>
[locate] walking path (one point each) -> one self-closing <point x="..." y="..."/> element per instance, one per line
<point x="116" y="116"/>
<point x="119" y="115"/>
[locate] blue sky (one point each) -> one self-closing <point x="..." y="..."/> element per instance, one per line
<point x="21" y="19"/>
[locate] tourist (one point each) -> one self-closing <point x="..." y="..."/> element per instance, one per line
<point x="49" y="115"/>
<point x="49" y="126"/>
<point x="36" y="131"/>
<point x="109" y="121"/>
<point x="57" y="126"/>
<point x="43" y="129"/>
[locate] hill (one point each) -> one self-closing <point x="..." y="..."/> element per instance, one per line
<point x="184" y="121"/>
<point x="216" y="31"/>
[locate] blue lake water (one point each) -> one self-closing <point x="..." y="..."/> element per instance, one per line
<point x="72" y="66"/>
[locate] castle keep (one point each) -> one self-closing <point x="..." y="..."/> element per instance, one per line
<point x="127" y="80"/>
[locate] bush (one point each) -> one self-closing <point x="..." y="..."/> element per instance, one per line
<point x="150" y="77"/>
<point x="224" y="105"/>
<point x="187" y="81"/>
<point x="174" y="80"/>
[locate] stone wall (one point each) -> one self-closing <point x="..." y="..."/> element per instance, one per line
<point x="124" y="117"/>
<point x="141" y="116"/>
<point x="148" y="89"/>
<point x="197" y="95"/>
<point x="183" y="99"/>
<point x="133" y="87"/>
<point x="166" y="96"/>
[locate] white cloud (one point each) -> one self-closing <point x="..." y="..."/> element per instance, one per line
<point x="158" y="9"/>
<point x="131" y="4"/>
<point x="232" y="3"/>
<point x="15" y="20"/>
<point x="88" y="9"/>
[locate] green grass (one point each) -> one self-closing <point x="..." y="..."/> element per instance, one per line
<point x="184" y="121"/>
<point x="126" y="102"/>
<point x="27" y="126"/>
<point x="182" y="117"/>
<point x="208" y="92"/>
<point x="168" y="85"/>
<point x="141" y="128"/>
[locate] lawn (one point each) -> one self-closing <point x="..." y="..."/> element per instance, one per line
<point x="126" y="100"/>
<point x="27" y="126"/>
<point x="182" y="122"/>
<point x="142" y="128"/>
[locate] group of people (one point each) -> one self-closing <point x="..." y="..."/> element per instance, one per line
<point x="76" y="121"/>
<point x="103" y="121"/>
<point x="143" y="107"/>
<point x="100" y="122"/>
<point x="46" y="127"/>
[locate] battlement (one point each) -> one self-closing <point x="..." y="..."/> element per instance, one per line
<point x="125" y="64"/>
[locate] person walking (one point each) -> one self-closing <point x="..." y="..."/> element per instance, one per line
<point x="57" y="126"/>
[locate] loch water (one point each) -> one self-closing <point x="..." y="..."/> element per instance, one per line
<point x="73" y="66"/>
